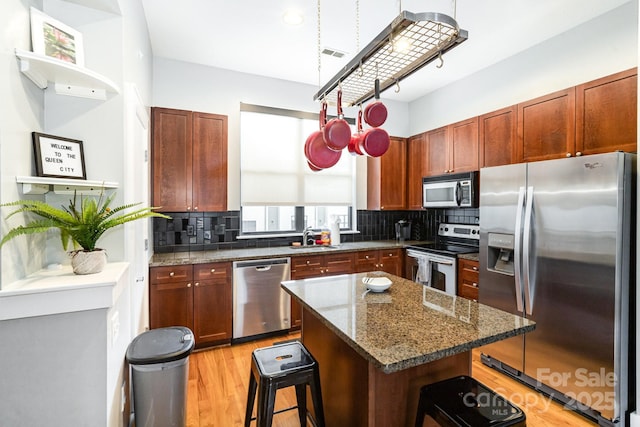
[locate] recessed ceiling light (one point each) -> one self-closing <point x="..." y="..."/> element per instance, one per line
<point x="293" y="17"/>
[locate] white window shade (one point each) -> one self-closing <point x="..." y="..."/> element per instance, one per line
<point x="274" y="170"/>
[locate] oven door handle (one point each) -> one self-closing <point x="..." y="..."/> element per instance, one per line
<point x="438" y="261"/>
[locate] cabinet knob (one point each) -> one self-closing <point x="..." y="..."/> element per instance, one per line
<point x="188" y="208"/>
<point x="308" y="262"/>
<point x="172" y="274"/>
<point x="390" y="255"/>
<point x="381" y="207"/>
<point x="475" y="285"/>
<point x="578" y="154"/>
<point x="568" y="154"/>
<point x="197" y="283"/>
<point x="474" y="268"/>
<point x="321" y="271"/>
<point x="446" y="171"/>
<point x="213" y="270"/>
<point x="366" y="257"/>
<point x="195" y="209"/>
<point x="188" y="285"/>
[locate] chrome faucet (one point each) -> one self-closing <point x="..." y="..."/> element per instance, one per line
<point x="305" y="235"/>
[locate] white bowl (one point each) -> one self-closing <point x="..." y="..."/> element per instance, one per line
<point x="377" y="284"/>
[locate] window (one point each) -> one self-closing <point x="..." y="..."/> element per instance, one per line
<point x="279" y="193"/>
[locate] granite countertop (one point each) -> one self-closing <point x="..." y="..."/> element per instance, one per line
<point x="406" y="325"/>
<point x="472" y="257"/>
<point x="201" y="257"/>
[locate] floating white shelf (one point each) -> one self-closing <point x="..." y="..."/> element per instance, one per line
<point x="68" y="79"/>
<point x="42" y="185"/>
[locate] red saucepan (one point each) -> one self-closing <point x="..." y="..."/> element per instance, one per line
<point x="318" y="155"/>
<point x="374" y="142"/>
<point x="337" y="132"/>
<point x="354" y="144"/>
<point x="375" y="114"/>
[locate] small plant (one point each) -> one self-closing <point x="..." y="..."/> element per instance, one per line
<point x="81" y="223"/>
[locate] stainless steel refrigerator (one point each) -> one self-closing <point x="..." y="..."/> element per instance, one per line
<point x="557" y="242"/>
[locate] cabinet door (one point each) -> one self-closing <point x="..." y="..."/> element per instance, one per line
<point x="367" y="261"/>
<point x="171" y="166"/>
<point x="546" y="127"/>
<point x="437" y="154"/>
<point x="386" y="178"/>
<point x="463" y="147"/>
<point x="340" y="263"/>
<point x="391" y="261"/>
<point x="171" y="304"/>
<point x="607" y="114"/>
<point x="209" y="158"/>
<point x="303" y="267"/>
<point x="212" y="309"/>
<point x="498" y="133"/>
<point x="416" y="169"/>
<point x="468" y="275"/>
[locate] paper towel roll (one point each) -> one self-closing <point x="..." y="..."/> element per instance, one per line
<point x="335" y="233"/>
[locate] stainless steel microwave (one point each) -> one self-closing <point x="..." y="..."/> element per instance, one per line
<point x="458" y="190"/>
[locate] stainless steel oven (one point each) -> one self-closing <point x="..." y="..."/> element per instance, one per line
<point x="436" y="264"/>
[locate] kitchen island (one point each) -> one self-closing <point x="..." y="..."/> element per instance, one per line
<point x="375" y="350"/>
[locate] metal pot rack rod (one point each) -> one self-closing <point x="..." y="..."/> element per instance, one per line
<point x="429" y="35"/>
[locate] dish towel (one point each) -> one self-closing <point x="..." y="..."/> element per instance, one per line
<point x="423" y="275"/>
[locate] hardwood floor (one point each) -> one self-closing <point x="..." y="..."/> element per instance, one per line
<point x="219" y="377"/>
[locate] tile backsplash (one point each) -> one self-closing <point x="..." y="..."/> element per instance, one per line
<point x="203" y="231"/>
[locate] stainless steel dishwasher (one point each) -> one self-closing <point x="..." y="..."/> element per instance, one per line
<point x="260" y="305"/>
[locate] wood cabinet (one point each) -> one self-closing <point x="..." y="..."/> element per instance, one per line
<point x="468" y="278"/>
<point x="304" y="267"/>
<point x="416" y="169"/>
<point x="546" y="127"/>
<point x="196" y="296"/>
<point x="387" y="260"/>
<point x="453" y="148"/>
<point x="189" y="166"/>
<point x="498" y="137"/>
<point x="386" y="178"/>
<point x="606" y="114"/>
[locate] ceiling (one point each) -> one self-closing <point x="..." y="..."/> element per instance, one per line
<point x="250" y="36"/>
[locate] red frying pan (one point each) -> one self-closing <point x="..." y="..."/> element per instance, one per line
<point x="318" y="155"/>
<point x="337" y="132"/>
<point x="375" y="114"/>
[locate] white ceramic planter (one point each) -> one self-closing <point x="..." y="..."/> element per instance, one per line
<point x="88" y="262"/>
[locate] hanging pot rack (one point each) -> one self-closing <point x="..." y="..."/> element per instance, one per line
<point x="430" y="36"/>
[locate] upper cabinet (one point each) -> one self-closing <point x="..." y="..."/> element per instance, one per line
<point x="416" y="169"/>
<point x="606" y="114"/>
<point x="452" y="148"/>
<point x="189" y="167"/>
<point x="386" y="178"/>
<point x="498" y="132"/>
<point x="546" y="127"/>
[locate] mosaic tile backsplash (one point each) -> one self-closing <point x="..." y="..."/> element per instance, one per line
<point x="203" y="231"/>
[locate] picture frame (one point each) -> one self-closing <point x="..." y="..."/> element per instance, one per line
<point x="58" y="157"/>
<point x="52" y="38"/>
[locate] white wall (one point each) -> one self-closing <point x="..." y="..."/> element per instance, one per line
<point x="194" y="87"/>
<point x="597" y="48"/>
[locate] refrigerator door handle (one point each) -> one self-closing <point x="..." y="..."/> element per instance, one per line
<point x="526" y="249"/>
<point x="517" y="250"/>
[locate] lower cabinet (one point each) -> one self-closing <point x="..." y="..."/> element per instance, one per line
<point x="304" y="267"/>
<point x="196" y="296"/>
<point x="468" y="278"/>
<point x="387" y="260"/>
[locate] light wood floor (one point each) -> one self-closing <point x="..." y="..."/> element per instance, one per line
<point x="219" y="377"/>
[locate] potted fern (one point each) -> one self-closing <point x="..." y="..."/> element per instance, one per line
<point x="80" y="223"/>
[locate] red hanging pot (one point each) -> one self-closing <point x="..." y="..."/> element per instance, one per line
<point x="374" y="142"/>
<point x="337" y="132"/>
<point x="318" y="155"/>
<point x="354" y="144"/>
<point x="375" y="114"/>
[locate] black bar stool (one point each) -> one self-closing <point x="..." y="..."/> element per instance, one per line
<point x="463" y="401"/>
<point x="279" y="366"/>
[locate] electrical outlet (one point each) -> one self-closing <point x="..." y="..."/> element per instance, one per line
<point x="115" y="327"/>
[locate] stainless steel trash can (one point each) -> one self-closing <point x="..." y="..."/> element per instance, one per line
<point x="159" y="361"/>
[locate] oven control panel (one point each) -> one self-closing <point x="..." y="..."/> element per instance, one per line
<point x="464" y="231"/>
